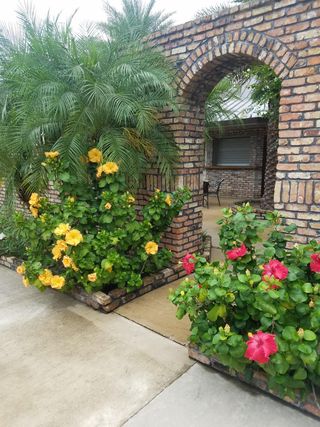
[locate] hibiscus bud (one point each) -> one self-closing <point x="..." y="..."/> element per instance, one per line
<point x="248" y="273"/>
<point x="227" y="329"/>
<point x="300" y="332"/>
<point x="251" y="282"/>
<point x="311" y="304"/>
<point x="254" y="257"/>
<point x="182" y="293"/>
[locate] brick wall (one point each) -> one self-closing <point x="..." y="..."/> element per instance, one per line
<point x="241" y="182"/>
<point x="284" y="35"/>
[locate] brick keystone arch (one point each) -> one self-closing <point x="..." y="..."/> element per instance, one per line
<point x="236" y="48"/>
<point x="284" y="34"/>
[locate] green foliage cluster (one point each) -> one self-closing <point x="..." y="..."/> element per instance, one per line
<point x="265" y="88"/>
<point x="226" y="301"/>
<point x="66" y="92"/>
<point x="12" y="242"/>
<point x="93" y="238"/>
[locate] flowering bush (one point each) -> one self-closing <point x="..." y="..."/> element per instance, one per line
<point x="93" y="238"/>
<point x="260" y="308"/>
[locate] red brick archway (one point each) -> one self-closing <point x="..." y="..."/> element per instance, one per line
<point x="283" y="34"/>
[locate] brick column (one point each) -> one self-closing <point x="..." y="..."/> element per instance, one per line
<point x="297" y="191"/>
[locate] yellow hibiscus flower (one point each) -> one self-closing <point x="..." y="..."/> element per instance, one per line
<point x="51" y="154"/>
<point x="168" y="200"/>
<point x="62" y="229"/>
<point x="34" y="200"/>
<point x="71" y="199"/>
<point x="57" y="282"/>
<point x="74" y="267"/>
<point x="45" y="277"/>
<point x="131" y="199"/>
<point x="108" y="205"/>
<point x="56" y="252"/>
<point x="110" y="168"/>
<point x="58" y="249"/>
<point x="21" y="269"/>
<point x="25" y="282"/>
<point x="151" y="248"/>
<point x="34" y="212"/>
<point x="99" y="171"/>
<point x="92" y="277"/>
<point x="74" y="237"/>
<point x="62" y="245"/>
<point x="67" y="261"/>
<point x="95" y="155"/>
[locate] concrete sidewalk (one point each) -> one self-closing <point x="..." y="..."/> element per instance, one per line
<point x="203" y="397"/>
<point x="63" y="364"/>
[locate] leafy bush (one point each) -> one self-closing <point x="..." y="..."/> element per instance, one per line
<point x="93" y="238"/>
<point x="260" y="308"/>
<point x="11" y="239"/>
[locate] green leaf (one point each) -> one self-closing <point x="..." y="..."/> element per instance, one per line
<point x="305" y="348"/>
<point x="300" y="374"/>
<point x="297" y="294"/>
<point x="307" y="288"/>
<point x="289" y="333"/>
<point x="65" y="176"/>
<point x="180" y="313"/>
<point x="269" y="252"/>
<point x="309" y="335"/>
<point x="114" y="187"/>
<point x="217" y="311"/>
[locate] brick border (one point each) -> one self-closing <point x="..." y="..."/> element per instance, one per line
<point x="108" y="302"/>
<point x="258" y="381"/>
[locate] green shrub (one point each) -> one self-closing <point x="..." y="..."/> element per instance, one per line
<point x="12" y="241"/>
<point x="260" y="308"/>
<point x="92" y="237"/>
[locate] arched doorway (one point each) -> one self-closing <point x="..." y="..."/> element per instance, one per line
<point x="281" y="35"/>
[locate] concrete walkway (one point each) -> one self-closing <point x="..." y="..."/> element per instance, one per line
<point x="64" y="365"/>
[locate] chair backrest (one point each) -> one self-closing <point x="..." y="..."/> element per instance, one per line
<point x="219" y="184"/>
<point x="216" y="186"/>
<point x="205" y="187"/>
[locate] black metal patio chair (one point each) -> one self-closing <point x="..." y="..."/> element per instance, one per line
<point x="207" y="191"/>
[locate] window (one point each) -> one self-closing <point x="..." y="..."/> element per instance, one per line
<point x="232" y="152"/>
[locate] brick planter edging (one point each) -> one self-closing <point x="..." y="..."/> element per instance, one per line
<point x="259" y="381"/>
<point x="110" y="300"/>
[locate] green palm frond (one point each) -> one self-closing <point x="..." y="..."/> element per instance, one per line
<point x="68" y="93"/>
<point x="135" y="21"/>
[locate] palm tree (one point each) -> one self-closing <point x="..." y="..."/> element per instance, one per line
<point x="135" y="21"/>
<point x="213" y="10"/>
<point x="66" y="93"/>
<point x="227" y="89"/>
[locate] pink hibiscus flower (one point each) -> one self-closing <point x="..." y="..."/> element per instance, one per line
<point x="315" y="263"/>
<point x="237" y="252"/>
<point x="188" y="263"/>
<point x="275" y="269"/>
<point x="260" y="346"/>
